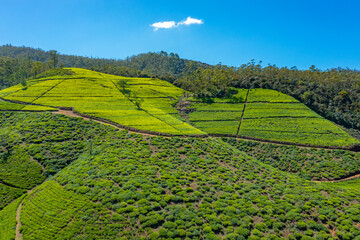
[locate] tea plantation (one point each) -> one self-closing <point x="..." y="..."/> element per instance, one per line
<point x="308" y="163"/>
<point x="268" y="115"/>
<point x="110" y="97"/>
<point x="72" y="178"/>
<point x="149" y="104"/>
<point x="108" y="184"/>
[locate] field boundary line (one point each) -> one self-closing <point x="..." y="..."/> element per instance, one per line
<point x="146" y="110"/>
<point x="353" y="148"/>
<point x="283" y="117"/>
<point x="69" y="111"/>
<point x="23" y="103"/>
<point x="48" y="91"/>
<point x="249" y="102"/>
<point x="242" y="115"/>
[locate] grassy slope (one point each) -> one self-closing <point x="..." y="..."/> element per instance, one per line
<point x="129" y="185"/>
<point x="268" y="115"/>
<point x="100" y="95"/>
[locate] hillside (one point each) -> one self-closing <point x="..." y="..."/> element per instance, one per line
<point x="192" y="173"/>
<point x="151" y="106"/>
<point x="264" y="114"/>
<point x="333" y="93"/>
<point x="102" y="95"/>
<point x="109" y="184"/>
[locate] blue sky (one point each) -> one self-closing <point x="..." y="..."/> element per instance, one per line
<point x="285" y="33"/>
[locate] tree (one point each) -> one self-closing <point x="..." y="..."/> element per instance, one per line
<point x="24" y="84"/>
<point x="123" y="87"/>
<point x="136" y="100"/>
<point x="54" y="58"/>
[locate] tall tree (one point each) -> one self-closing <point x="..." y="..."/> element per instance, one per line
<point x="54" y="58"/>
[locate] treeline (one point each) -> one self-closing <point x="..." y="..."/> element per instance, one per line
<point x="334" y="93"/>
<point x="14" y="71"/>
<point x="167" y="66"/>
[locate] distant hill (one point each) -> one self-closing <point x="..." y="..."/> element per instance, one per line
<point x="334" y="93"/>
<point x="162" y="64"/>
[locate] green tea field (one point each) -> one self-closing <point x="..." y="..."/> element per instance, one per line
<point x="150" y="105"/>
<point x="108" y="184"/>
<point x="101" y="95"/>
<point x="268" y="115"/>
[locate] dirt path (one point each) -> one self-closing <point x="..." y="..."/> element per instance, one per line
<point x="341" y="180"/>
<point x="18" y="235"/>
<point x="70" y="113"/>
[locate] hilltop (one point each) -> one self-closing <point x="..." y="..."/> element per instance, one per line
<point x="334" y="93"/>
<point x="162" y="64"/>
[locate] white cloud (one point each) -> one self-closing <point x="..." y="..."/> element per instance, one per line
<point x="167" y="24"/>
<point x="173" y="24"/>
<point x="190" y="21"/>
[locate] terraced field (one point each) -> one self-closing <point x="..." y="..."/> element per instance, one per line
<point x="269" y="115"/>
<point x="5" y="106"/>
<point x="149" y="105"/>
<point x="100" y="95"/>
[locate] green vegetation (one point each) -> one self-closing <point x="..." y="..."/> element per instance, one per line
<point x="350" y="184"/>
<point x="149" y="104"/>
<point x="146" y="106"/>
<point x="34" y="146"/>
<point x="311" y="164"/>
<point x="334" y="93"/>
<point x="8" y="220"/>
<point x="17" y="169"/>
<point x="167" y="66"/>
<point x="8" y="194"/>
<point x="48" y="212"/>
<point x="122" y="185"/>
<point x="75" y="179"/>
<point x="268" y="110"/>
<point x="18" y="172"/>
<point x="313" y="131"/>
<point x="269" y="96"/>
<point x="16" y="106"/>
<point x="10" y="106"/>
<point x="268" y="115"/>
<point x="37" y="108"/>
<point x="17" y="70"/>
